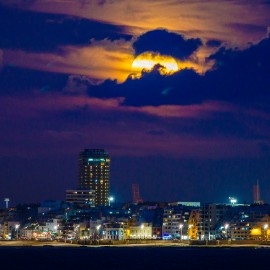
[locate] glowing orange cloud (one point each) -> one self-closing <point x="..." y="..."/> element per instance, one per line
<point x="147" y="60"/>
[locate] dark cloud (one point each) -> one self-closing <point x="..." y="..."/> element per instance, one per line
<point x="14" y="80"/>
<point x="34" y="31"/>
<point x="166" y="43"/>
<point x="213" y="43"/>
<point x="241" y="76"/>
<point x="238" y="76"/>
<point x="153" y="88"/>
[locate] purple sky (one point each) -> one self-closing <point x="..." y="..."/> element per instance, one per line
<point x="66" y="83"/>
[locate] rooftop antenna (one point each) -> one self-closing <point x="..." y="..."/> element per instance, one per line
<point x="6" y="200"/>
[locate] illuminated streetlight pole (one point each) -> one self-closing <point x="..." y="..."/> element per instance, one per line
<point x="17" y="231"/>
<point x="111" y="199"/>
<point x="98" y="227"/>
<point x="266" y="231"/>
<point x="226" y="230"/>
<point x="56" y="230"/>
<point x="181" y="231"/>
<point x="77" y="231"/>
<point x="142" y="234"/>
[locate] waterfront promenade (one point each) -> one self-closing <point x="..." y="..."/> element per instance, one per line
<point x="25" y="243"/>
<point x="28" y="243"/>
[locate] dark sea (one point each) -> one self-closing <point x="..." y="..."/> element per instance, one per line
<point x="129" y="258"/>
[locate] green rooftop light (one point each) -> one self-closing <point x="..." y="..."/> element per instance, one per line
<point x="96" y="159"/>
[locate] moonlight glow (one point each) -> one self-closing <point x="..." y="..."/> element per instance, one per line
<point x="147" y="61"/>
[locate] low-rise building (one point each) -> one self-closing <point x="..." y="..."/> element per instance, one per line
<point x="246" y="223"/>
<point x="113" y="231"/>
<point x="11" y="230"/>
<point x="157" y="232"/>
<point x="83" y="198"/>
<point x="142" y="231"/>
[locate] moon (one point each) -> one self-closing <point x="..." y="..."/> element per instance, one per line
<point x="147" y="60"/>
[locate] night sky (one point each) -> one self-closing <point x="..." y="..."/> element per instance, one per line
<point x="68" y="82"/>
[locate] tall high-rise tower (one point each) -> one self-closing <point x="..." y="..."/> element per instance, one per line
<point x="94" y="173"/>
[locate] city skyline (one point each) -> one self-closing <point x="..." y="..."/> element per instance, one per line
<point x="176" y="91"/>
<point x="87" y="160"/>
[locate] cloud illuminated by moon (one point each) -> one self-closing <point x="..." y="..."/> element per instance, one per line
<point x="147" y="60"/>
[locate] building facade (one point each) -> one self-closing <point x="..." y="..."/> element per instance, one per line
<point x="175" y="223"/>
<point x="83" y="198"/>
<point x="209" y="216"/>
<point x="143" y="231"/>
<point x="113" y="231"/>
<point x="246" y="222"/>
<point x="94" y="173"/>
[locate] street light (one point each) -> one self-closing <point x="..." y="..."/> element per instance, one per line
<point x="266" y="231"/>
<point x="17" y="231"/>
<point x="111" y="199"/>
<point x="226" y="229"/>
<point x="142" y="234"/>
<point x="56" y="231"/>
<point x="233" y="200"/>
<point x="98" y="227"/>
<point x="181" y="231"/>
<point x="77" y="231"/>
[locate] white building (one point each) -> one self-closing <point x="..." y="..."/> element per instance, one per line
<point x="192" y="204"/>
<point x="48" y="230"/>
<point x="113" y="233"/>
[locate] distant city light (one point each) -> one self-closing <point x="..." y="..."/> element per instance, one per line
<point x="96" y="159"/>
<point x="233" y="200"/>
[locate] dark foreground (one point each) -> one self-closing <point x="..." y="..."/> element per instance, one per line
<point x="129" y="258"/>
